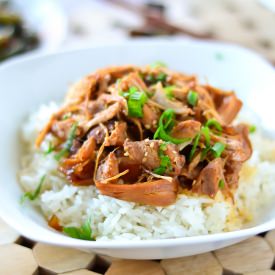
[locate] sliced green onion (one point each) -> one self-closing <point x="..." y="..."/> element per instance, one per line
<point x="66" y="116"/>
<point x="194" y="147"/>
<point x="50" y="149"/>
<point x="217" y="149"/>
<point x="135" y="101"/>
<point x="33" y="195"/>
<point x="84" y="232"/>
<point x="192" y="98"/>
<point x="165" y="162"/>
<point x="214" y="123"/>
<point x="166" y="123"/>
<point x="169" y="91"/>
<point x="252" y="129"/>
<point x="163" y="146"/>
<point x="68" y="144"/>
<point x="221" y="184"/>
<point x="206" y="132"/>
<point x="161" y="77"/>
<point x="158" y="64"/>
<point x="204" y="152"/>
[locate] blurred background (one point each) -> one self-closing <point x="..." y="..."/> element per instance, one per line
<point x="35" y="26"/>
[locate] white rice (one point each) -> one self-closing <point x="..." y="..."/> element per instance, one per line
<point x="115" y="219"/>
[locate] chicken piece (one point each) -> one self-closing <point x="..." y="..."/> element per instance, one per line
<point x="229" y="108"/>
<point x="237" y="144"/>
<point x="78" y="169"/>
<point x="186" y="129"/>
<point x="147" y="153"/>
<point x="208" y="181"/>
<point x="232" y="173"/>
<point x="226" y="103"/>
<point x="132" y="80"/>
<point x="78" y="92"/>
<point x="165" y="103"/>
<point x="102" y="116"/>
<point x="156" y="193"/>
<point x="150" y="117"/>
<point x="98" y="133"/>
<point x="118" y="134"/>
<point x="108" y="168"/>
<point x="61" y="128"/>
<point x="143" y="152"/>
<point x="135" y="169"/>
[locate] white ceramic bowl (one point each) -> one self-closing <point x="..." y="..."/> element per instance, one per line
<point x="25" y="84"/>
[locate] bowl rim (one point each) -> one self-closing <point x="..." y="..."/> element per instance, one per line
<point x="66" y="241"/>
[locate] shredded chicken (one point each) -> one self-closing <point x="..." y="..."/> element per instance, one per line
<point x="136" y="133"/>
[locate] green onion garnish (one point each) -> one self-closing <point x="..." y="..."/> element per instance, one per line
<point x="68" y="144"/>
<point x="33" y="195"/>
<point x="214" y="123"/>
<point x="217" y="149"/>
<point x="158" y="64"/>
<point x="166" y="123"/>
<point x="84" y="232"/>
<point x="50" y="149"/>
<point x="66" y="116"/>
<point x="221" y="184"/>
<point x="206" y="132"/>
<point x="169" y="91"/>
<point x="192" y="98"/>
<point x="135" y="101"/>
<point x="195" y="145"/>
<point x="165" y="162"/>
<point x="252" y="129"/>
<point x="161" y="77"/>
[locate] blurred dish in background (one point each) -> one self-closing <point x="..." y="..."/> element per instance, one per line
<point x="30" y="25"/>
<point x="14" y="37"/>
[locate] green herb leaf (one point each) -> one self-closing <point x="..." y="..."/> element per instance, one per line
<point x="68" y="144"/>
<point x="166" y="123"/>
<point x="192" y="98"/>
<point x="33" y="195"/>
<point x="217" y="149"/>
<point x="252" y="129"/>
<point x="158" y="64"/>
<point x="169" y="91"/>
<point x="84" y="232"/>
<point x="214" y="123"/>
<point x="50" y="149"/>
<point x="221" y="184"/>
